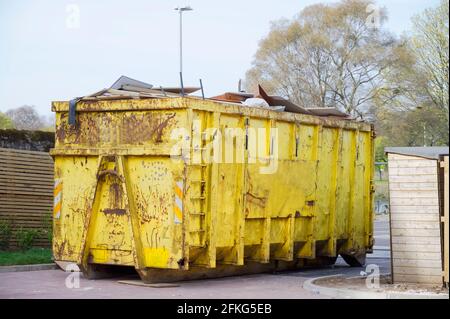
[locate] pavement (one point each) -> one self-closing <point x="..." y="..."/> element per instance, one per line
<point x="47" y="284"/>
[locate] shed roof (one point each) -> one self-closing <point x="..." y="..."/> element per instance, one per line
<point x="432" y="152"/>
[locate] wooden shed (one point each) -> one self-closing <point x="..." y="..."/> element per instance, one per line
<point x="418" y="195"/>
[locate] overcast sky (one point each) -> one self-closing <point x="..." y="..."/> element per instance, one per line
<point x="46" y="55"/>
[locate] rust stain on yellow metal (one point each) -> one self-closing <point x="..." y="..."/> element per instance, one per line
<point x="123" y="200"/>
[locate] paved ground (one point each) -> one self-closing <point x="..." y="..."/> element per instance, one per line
<point x="52" y="283"/>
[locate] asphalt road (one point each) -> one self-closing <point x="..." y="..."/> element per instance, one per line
<point x="52" y="283"/>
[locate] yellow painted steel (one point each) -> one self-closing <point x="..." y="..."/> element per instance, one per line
<point x="123" y="200"/>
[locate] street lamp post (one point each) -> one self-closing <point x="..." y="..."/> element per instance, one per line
<point x="181" y="10"/>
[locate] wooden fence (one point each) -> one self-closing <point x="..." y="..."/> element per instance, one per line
<point x="26" y="192"/>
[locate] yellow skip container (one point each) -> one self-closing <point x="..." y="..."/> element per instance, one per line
<point x="183" y="188"/>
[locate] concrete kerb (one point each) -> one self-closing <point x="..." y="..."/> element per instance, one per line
<point x="21" y="268"/>
<point x="344" y="293"/>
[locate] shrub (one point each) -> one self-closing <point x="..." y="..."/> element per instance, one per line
<point x="26" y="238"/>
<point x="5" y="234"/>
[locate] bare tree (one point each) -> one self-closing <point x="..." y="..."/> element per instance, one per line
<point x="26" y="118"/>
<point x="328" y="56"/>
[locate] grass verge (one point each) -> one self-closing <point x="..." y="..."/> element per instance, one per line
<point x="27" y="257"/>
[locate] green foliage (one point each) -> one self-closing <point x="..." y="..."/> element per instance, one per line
<point x="5" y="122"/>
<point x="5" y="234"/>
<point x="426" y="126"/>
<point x="27" y="257"/>
<point x="26" y="238"/>
<point x="380" y="144"/>
<point x="327" y="56"/>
